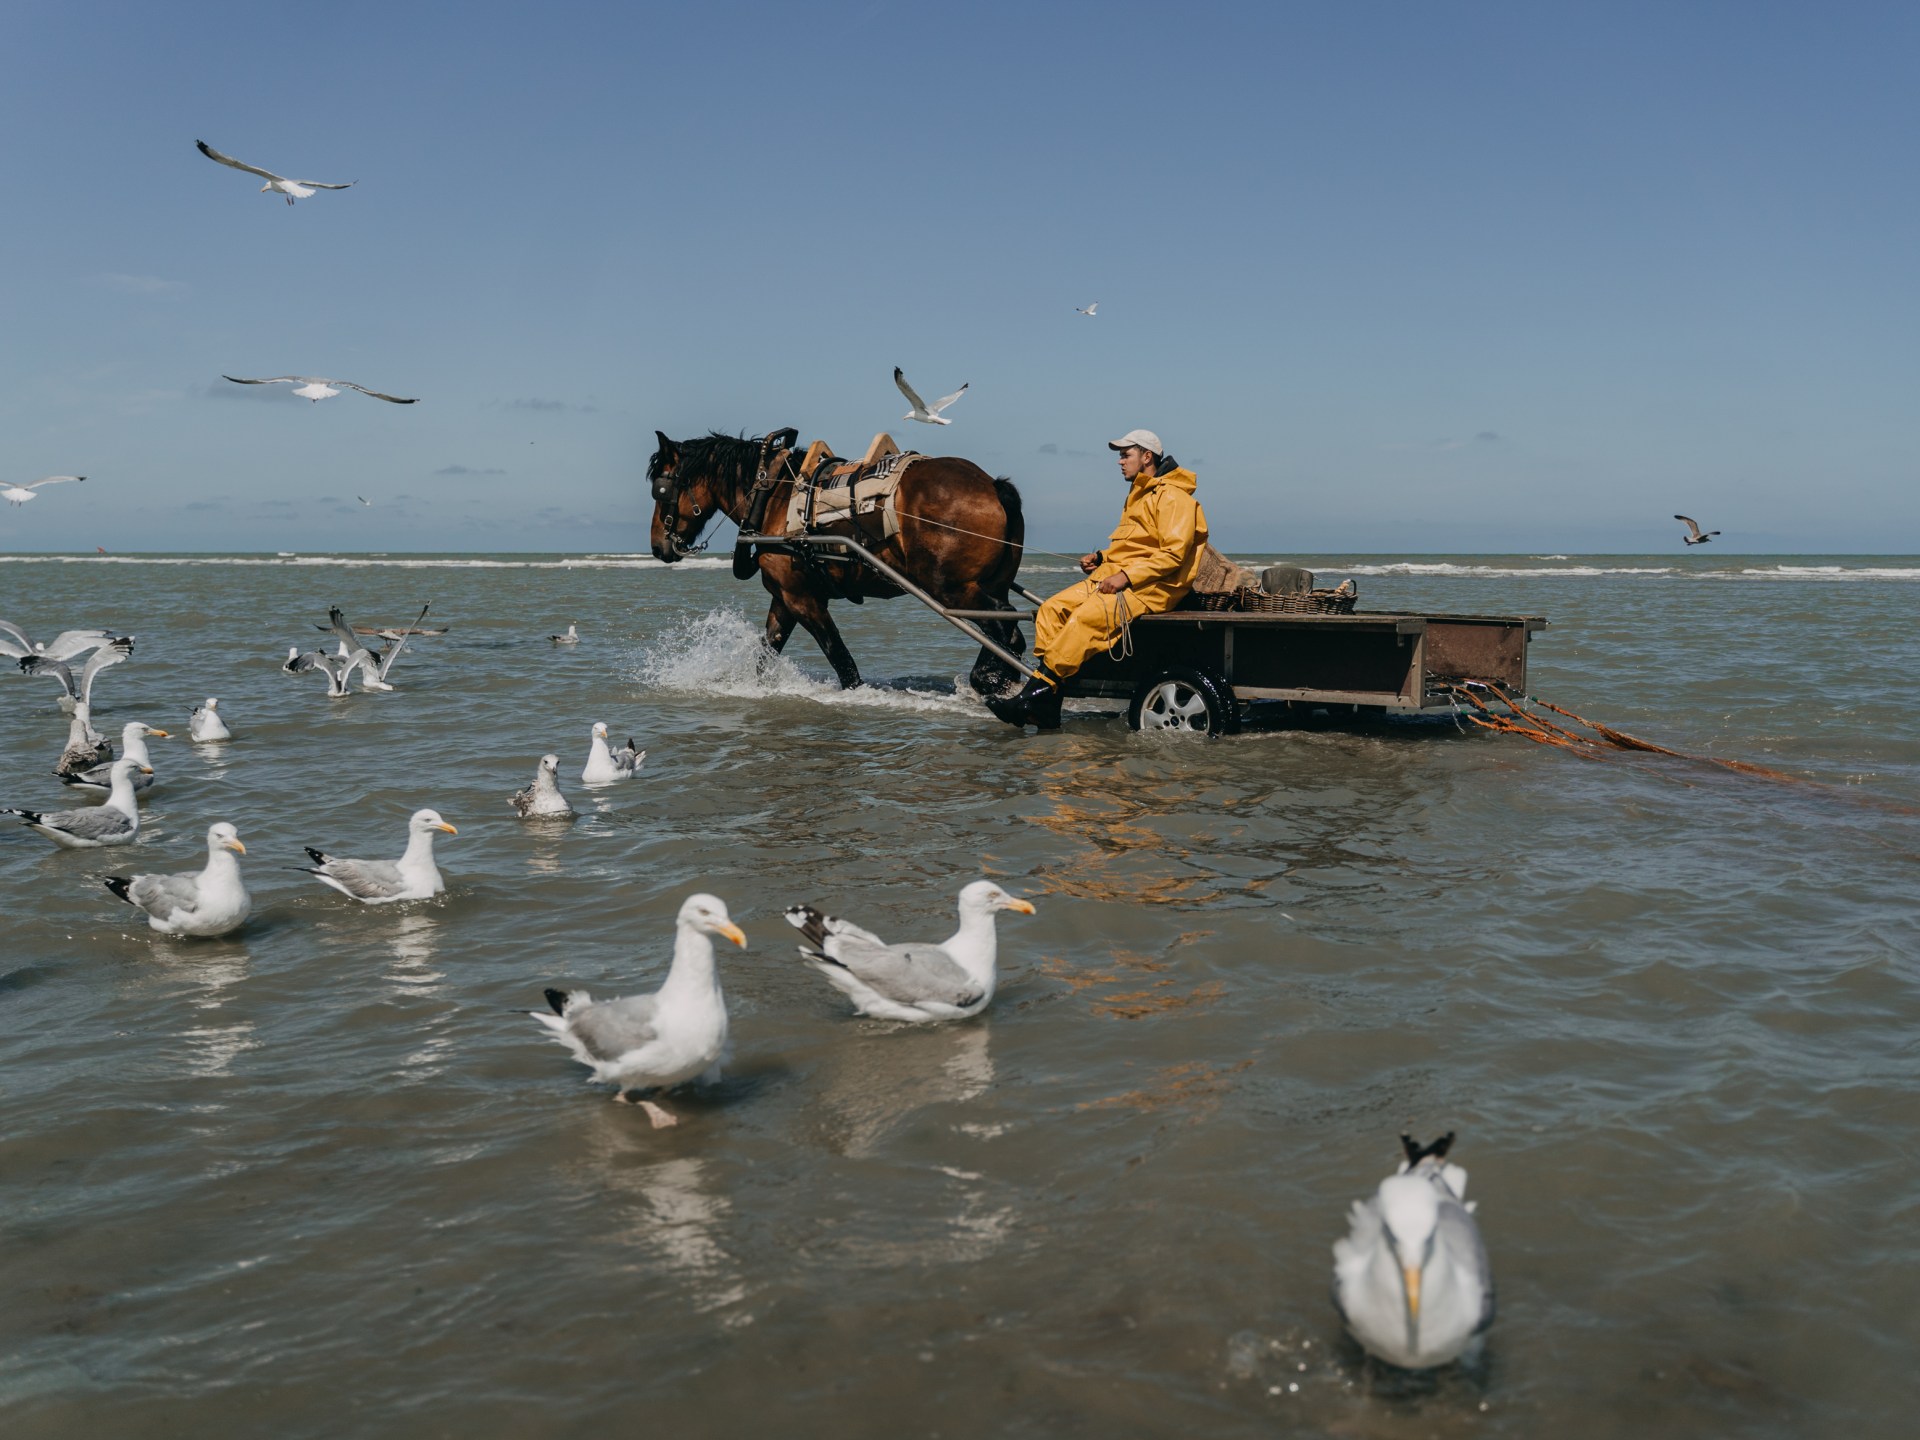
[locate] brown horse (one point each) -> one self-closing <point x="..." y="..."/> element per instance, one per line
<point x="960" y="537"/>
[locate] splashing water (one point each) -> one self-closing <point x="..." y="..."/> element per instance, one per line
<point x="720" y="653"/>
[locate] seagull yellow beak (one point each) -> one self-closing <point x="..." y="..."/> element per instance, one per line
<point x="234" y="844"/>
<point x="1413" y="1291"/>
<point x="146" y="769"/>
<point x="446" y="827"/>
<point x="158" y="735"/>
<point x="732" y="932"/>
<point x="1025" y="907"/>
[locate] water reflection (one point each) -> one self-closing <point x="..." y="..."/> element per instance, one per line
<point x="211" y="977"/>
<point x="869" y="1089"/>
<point x="413" y="946"/>
<point x="670" y="1209"/>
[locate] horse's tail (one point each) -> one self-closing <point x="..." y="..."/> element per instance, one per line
<point x="1016" y="532"/>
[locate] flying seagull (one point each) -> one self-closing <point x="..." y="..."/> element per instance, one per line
<point x="1694" y="535"/>
<point x="65" y="646"/>
<point x="312" y="387"/>
<point x="79" y="692"/>
<point x="363" y="500"/>
<point x="20" y="494"/>
<point x="926" y="414"/>
<point x="292" y="189"/>
<point x="1088" y="311"/>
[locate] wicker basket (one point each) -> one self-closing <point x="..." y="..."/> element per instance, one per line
<point x="1313" y="602"/>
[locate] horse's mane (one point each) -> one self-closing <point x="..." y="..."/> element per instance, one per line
<point x="718" y="457"/>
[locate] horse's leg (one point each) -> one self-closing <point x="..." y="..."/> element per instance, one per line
<point x="795" y="602"/>
<point x="780" y="623"/>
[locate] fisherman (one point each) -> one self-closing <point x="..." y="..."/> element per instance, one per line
<point x="1147" y="567"/>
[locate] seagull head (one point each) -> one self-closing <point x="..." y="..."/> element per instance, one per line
<point x="224" y="837"/>
<point x="599" y="729"/>
<point x="550" y="764"/>
<point x="212" y="703"/>
<point x="424" y="820"/>
<point x="134" y="728"/>
<point x="987" y="897"/>
<point x="708" y="914"/>
<point x="1410" y="1215"/>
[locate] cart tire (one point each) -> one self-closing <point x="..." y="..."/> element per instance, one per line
<point x="1196" y="701"/>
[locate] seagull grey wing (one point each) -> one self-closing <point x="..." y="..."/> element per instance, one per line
<point x="69" y="643"/>
<point x="323" y="185"/>
<point x="900" y="379"/>
<point x="164" y="896"/>
<point x="946" y="400"/>
<point x="400" y="643"/>
<point x="213" y="154"/>
<point x="838" y="929"/>
<point x="106" y="655"/>
<point x="1461" y="1237"/>
<point x="909" y="974"/>
<point x="102" y="822"/>
<point x="20" y="647"/>
<point x="611" y="1028"/>
<point x="41" y="665"/>
<point x="1693" y="525"/>
<point x="268" y="380"/>
<point x="54" y="480"/>
<point x="366" y="879"/>
<point x="376" y="394"/>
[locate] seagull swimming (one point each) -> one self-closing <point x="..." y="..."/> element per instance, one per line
<point x="211" y="901"/>
<point x="1088" y="311"/>
<point x="337" y="668"/>
<point x="1694" y="535"/>
<point x="949" y="981"/>
<point x="662" y="1039"/>
<point x="542" y="798"/>
<point x="572" y="637"/>
<point x="206" y="723"/>
<point x="66" y="645"/>
<point x="923" y="412"/>
<point x="1412" y="1279"/>
<point x="133" y="746"/>
<point x="115" y="821"/>
<point x="312" y="387"/>
<point x="606" y="765"/>
<point x="413" y="876"/>
<point x="86" y="746"/>
<point x="20" y="494"/>
<point x="372" y="665"/>
<point x="81" y="692"/>
<point x="292" y="189"/>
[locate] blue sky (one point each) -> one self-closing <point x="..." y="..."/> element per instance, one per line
<point x="1390" y="277"/>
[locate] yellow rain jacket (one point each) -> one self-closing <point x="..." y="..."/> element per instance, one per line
<point x="1157" y="542"/>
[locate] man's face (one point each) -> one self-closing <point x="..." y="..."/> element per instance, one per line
<point x="1133" y="460"/>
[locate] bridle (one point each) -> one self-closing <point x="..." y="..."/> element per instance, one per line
<point x="669" y="487"/>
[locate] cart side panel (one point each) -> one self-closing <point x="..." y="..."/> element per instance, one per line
<point x="1470" y="650"/>
<point x="1349" y="658"/>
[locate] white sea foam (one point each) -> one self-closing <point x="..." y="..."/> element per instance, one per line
<point x="720" y="653"/>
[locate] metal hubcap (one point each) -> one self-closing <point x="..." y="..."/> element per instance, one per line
<point x="1174" y="705"/>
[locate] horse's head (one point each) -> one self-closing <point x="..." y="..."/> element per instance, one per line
<point x="683" y="501"/>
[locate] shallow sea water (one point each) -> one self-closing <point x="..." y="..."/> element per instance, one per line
<point x="321" y="1178"/>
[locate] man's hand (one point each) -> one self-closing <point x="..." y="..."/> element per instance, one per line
<point x="1114" y="583"/>
<point x="1089" y="563"/>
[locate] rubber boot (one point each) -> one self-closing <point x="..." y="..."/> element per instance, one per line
<point x="1038" y="698"/>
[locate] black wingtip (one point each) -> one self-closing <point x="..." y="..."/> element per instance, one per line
<point x="1416" y="1152"/>
<point x="809" y="922"/>
<point x="319" y="856"/>
<point x="558" y="1000"/>
<point x="119" y="885"/>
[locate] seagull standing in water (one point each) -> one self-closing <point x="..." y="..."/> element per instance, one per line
<point x="1694" y="535"/>
<point x="20" y="494"/>
<point x="292" y="189"/>
<point x="413" y="876"/>
<point x="1412" y="1279"/>
<point x="926" y="414"/>
<point x="312" y="387"/>
<point x="655" y="1041"/>
<point x="211" y="901"/>
<point x="949" y="981"/>
<point x="605" y="764"/>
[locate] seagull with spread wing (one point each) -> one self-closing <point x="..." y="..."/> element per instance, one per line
<point x="79" y="692"/>
<point x="1088" y="311"/>
<point x="316" y="389"/>
<point x="926" y="414"/>
<point x="292" y="189"/>
<point x="1694" y="535"/>
<point x="20" y="494"/>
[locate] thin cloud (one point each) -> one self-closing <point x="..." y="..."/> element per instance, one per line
<point x="466" y="470"/>
<point x="140" y="284"/>
<point x="1487" y="437"/>
<point x="551" y="407"/>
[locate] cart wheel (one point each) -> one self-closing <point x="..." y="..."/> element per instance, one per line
<point x="1182" y="699"/>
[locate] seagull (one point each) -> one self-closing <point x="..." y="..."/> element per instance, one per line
<point x="949" y="981"/>
<point x="363" y="500"/>
<point x="86" y="747"/>
<point x="542" y="798"/>
<point x="606" y="765"/>
<point x="213" y="901"/>
<point x="1088" y="311"/>
<point x="206" y="723"/>
<point x="337" y="668"/>
<point x="923" y="412"/>
<point x="413" y="876"/>
<point x="115" y="821"/>
<point x="1694" y="535"/>
<point x="20" y="494"/>
<point x="312" y="387"/>
<point x="81" y="692"/>
<point x="133" y="746"/>
<point x="64" y="646"/>
<point x="292" y="189"/>
<point x="572" y="637"/>
<point x="655" y="1041"/>
<point x="373" y="666"/>
<point x="1411" y="1279"/>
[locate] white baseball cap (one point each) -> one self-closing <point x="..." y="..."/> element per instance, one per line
<point x="1145" y="439"/>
